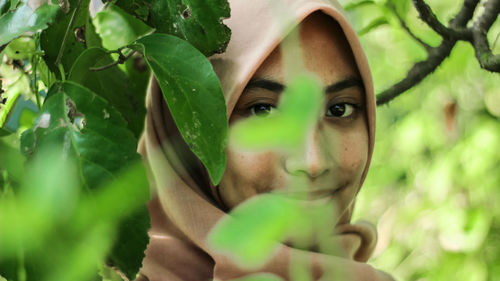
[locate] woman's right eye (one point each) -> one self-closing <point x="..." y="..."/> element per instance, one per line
<point x="262" y="109"/>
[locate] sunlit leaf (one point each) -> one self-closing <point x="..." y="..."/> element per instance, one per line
<point x="193" y="95"/>
<point x="118" y="28"/>
<point x="197" y="21"/>
<point x="25" y="19"/>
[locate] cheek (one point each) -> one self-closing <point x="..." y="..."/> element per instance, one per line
<point x="353" y="154"/>
<point x="248" y="174"/>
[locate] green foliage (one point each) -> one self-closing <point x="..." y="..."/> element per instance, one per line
<point x="107" y="83"/>
<point x="24" y="18"/>
<point x="193" y="95"/>
<point x="198" y="22"/>
<point x="74" y="104"/>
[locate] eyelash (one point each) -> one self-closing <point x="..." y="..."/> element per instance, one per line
<point x="347" y="107"/>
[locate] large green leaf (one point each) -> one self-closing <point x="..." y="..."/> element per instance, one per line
<point x="85" y="126"/>
<point x="197" y="21"/>
<point x="111" y="84"/>
<point x="25" y="19"/>
<point x="80" y="35"/>
<point x="194" y="97"/>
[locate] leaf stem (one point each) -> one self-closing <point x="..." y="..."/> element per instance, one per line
<point x="66" y="34"/>
<point x="121" y="59"/>
<point x="34" y="62"/>
<point x="61" y="70"/>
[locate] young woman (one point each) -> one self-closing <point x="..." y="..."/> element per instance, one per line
<point x="333" y="165"/>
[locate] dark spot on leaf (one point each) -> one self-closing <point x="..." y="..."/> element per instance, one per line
<point x="17" y="64"/>
<point x="186" y="13"/>
<point x="72" y="112"/>
<point x="80" y="34"/>
<point x="17" y="52"/>
<point x="64" y="4"/>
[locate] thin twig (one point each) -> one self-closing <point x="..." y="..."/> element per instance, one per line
<point x="407" y="29"/>
<point x="66" y="34"/>
<point x="121" y="59"/>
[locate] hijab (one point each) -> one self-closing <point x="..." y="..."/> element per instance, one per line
<point x="184" y="209"/>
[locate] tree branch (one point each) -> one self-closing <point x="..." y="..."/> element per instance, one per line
<point x="427" y="15"/>
<point x="455" y="31"/>
<point x="484" y="55"/>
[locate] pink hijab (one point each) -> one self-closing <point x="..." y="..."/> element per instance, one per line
<point x="182" y="215"/>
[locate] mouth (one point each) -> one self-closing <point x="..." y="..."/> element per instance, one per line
<point x="310" y="195"/>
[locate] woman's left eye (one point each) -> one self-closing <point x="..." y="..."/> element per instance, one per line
<point x="341" y="110"/>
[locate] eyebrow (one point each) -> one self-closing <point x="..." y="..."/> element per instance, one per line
<point x="277" y="87"/>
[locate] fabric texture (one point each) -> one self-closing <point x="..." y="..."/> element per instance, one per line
<point x="183" y="214"/>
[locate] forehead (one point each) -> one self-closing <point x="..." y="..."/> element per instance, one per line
<point x="324" y="52"/>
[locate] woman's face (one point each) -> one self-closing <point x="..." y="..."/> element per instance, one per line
<point x="335" y="154"/>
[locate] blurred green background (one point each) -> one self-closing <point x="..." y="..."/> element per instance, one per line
<point x="434" y="183"/>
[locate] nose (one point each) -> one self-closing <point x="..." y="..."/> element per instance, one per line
<point x="313" y="159"/>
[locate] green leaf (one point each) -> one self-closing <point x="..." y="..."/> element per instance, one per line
<point x="298" y="110"/>
<point x="111" y="84"/>
<point x="24" y="19"/>
<point x="254" y="229"/>
<point x="197" y="21"/>
<point x="129" y="194"/>
<point x="193" y="95"/>
<point x="51" y="39"/>
<point x="118" y="28"/>
<point x="16" y="111"/>
<point x="86" y="127"/>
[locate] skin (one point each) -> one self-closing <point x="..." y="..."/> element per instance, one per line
<point x="331" y="164"/>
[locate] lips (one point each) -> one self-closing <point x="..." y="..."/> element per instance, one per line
<point x="314" y="194"/>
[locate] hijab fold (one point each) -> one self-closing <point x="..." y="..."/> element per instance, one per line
<point x="183" y="213"/>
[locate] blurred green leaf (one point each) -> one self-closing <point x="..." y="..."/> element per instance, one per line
<point x="197" y="21"/>
<point x="111" y="84"/>
<point x="193" y="95"/>
<point x="299" y="108"/>
<point x="254" y="229"/>
<point x="20" y="48"/>
<point x="24" y="19"/>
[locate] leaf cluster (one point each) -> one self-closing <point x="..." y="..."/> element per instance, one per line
<point x="73" y="86"/>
